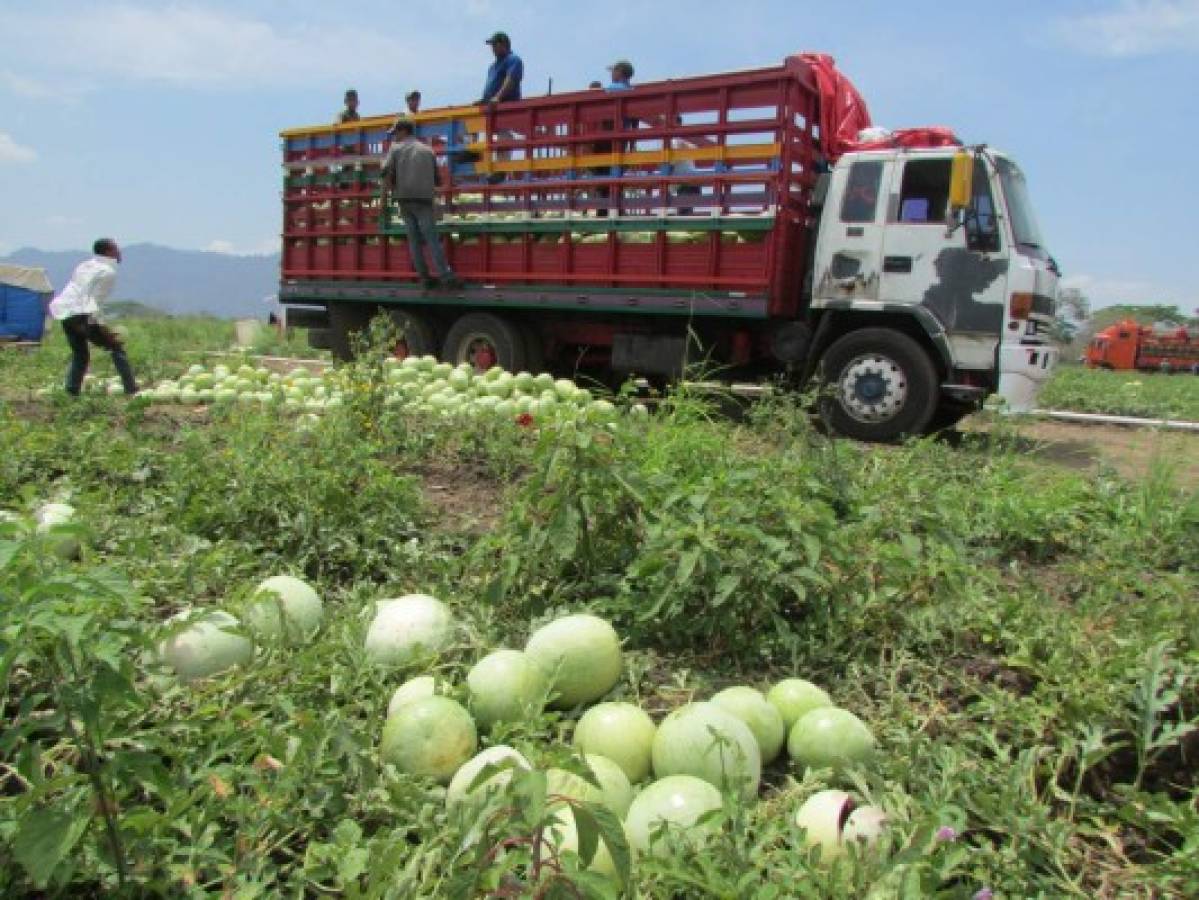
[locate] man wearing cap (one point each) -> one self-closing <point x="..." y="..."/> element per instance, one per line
<point x="503" y="75"/>
<point x="350" y="113"/>
<point x="622" y="75"/>
<point x="410" y="175"/>
<point x="412" y="98"/>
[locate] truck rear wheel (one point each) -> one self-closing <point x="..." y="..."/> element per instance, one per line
<point x="320" y="339"/>
<point x="879" y="385"/>
<point x="417" y="333"/>
<point x="534" y="348"/>
<point x="345" y="321"/>
<point x="485" y="340"/>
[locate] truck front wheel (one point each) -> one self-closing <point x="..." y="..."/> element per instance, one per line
<point x="877" y="385"/>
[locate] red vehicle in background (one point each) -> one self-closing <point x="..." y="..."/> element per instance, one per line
<point x="1131" y="345"/>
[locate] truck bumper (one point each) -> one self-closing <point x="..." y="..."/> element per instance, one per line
<point x="1023" y="370"/>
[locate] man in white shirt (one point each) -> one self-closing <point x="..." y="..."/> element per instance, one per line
<point x="78" y="308"/>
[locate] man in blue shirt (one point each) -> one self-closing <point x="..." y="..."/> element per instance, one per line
<point x="622" y="75"/>
<point x="503" y="75"/>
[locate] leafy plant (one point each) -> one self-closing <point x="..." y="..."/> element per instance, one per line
<point x="1020" y="638"/>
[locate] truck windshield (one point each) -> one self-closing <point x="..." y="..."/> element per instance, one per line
<point x="1025" y="231"/>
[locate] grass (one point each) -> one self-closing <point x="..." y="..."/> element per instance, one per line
<point x="1021" y="640"/>
<point x="158" y="347"/>
<point x="1146" y="394"/>
<point x="292" y="342"/>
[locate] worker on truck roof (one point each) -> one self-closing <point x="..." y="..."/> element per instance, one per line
<point x="622" y="75"/>
<point x="412" y="99"/>
<point x="350" y="113"/>
<point x="503" y="75"/>
<point x="411" y="176"/>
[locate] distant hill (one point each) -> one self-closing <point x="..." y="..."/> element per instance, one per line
<point x="175" y="281"/>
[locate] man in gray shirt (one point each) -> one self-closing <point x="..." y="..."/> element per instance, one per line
<point x="410" y="176"/>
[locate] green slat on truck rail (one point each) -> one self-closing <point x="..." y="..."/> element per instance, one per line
<point x="597" y="226"/>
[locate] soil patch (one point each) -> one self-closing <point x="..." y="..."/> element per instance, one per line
<point x="1131" y="451"/>
<point x="465" y="499"/>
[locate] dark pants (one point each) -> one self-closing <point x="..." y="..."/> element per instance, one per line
<point x="80" y="330"/>
<point x="421" y="225"/>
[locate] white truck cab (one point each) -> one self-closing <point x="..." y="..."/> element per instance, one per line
<point x="945" y="236"/>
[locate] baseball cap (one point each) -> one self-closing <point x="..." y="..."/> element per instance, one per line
<point x="498" y="38"/>
<point x="622" y="64"/>
<point x="401" y="122"/>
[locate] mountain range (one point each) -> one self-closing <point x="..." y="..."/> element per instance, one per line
<point x="178" y="282"/>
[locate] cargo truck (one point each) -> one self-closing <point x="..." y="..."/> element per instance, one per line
<point x="753" y="222"/>
<point x="1131" y="345"/>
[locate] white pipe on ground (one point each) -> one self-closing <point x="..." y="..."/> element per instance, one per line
<point x="1101" y="419"/>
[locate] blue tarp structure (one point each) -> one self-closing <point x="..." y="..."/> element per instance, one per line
<point x="24" y="293"/>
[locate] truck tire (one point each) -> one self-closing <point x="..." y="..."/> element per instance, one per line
<point x="320" y="338"/>
<point x="345" y="321"/>
<point x="485" y="340"/>
<point x="418" y="334"/>
<point x="534" y="348"/>
<point x="878" y="385"/>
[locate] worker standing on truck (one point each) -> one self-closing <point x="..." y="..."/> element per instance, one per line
<point x="622" y="75"/>
<point x="503" y="75"/>
<point x="410" y="175"/>
<point x="350" y="113"/>
<point x="78" y="308"/>
<point x="412" y="98"/>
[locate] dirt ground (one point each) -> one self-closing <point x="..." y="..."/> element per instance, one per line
<point x="1130" y="451"/>
<point x="466" y="500"/>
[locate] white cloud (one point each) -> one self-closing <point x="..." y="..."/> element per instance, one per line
<point x="193" y="46"/>
<point x="1134" y="28"/>
<point x="262" y="248"/>
<point x="12" y="152"/>
<point x="33" y="89"/>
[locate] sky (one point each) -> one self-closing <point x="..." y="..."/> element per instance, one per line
<point x="159" y="121"/>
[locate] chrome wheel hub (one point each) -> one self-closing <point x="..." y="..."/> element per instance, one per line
<point x="872" y="388"/>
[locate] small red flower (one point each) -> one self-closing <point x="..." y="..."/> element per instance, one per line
<point x="524" y="420"/>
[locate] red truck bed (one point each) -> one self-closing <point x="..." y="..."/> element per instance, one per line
<point x="673" y="190"/>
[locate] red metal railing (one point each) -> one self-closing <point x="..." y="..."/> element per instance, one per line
<point x="696" y="183"/>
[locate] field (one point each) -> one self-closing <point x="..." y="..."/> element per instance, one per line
<point x="1145" y="394"/>
<point x="1018" y="632"/>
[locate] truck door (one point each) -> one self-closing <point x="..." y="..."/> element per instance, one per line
<point x="965" y="287"/>
<point x="850" y="246"/>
